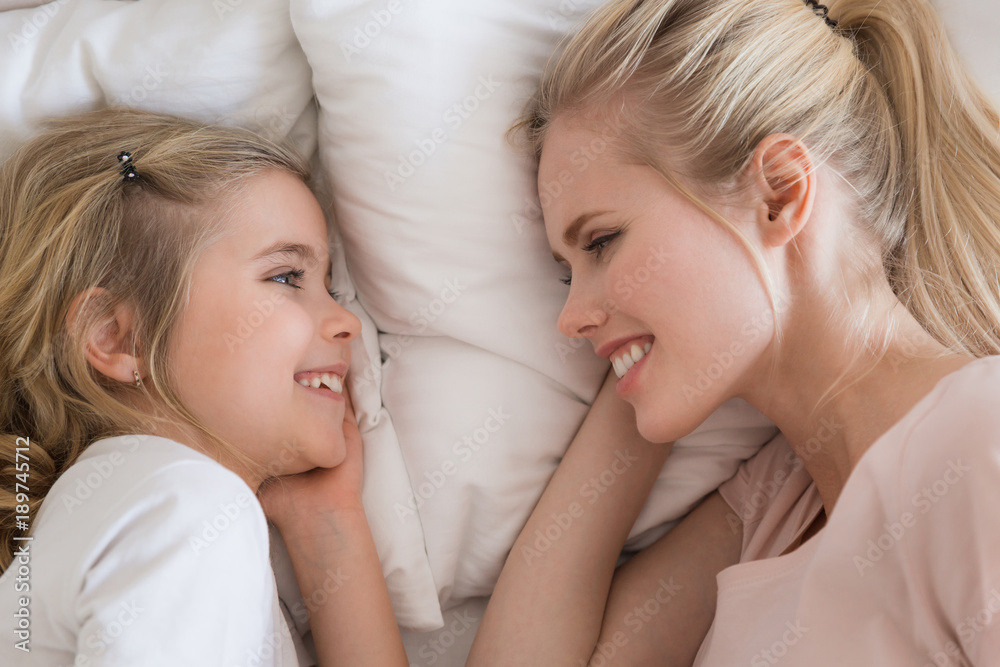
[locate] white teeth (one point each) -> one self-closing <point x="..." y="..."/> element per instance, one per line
<point x="333" y="382"/>
<point x="330" y="380"/>
<point x="630" y="358"/>
<point x="627" y="361"/>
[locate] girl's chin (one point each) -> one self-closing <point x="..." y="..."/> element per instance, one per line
<point x="340" y="458"/>
<point x="335" y="455"/>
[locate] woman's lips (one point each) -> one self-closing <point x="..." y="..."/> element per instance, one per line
<point x="628" y="382"/>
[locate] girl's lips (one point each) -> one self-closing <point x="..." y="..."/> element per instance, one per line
<point x="339" y="369"/>
<point x="627" y="383"/>
<point x="322" y="391"/>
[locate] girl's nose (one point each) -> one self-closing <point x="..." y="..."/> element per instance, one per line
<point x="340" y="323"/>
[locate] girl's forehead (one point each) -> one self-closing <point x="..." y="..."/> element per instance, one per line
<point x="275" y="206"/>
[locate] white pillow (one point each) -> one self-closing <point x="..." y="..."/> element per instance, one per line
<point x="972" y="27"/>
<point x="227" y="61"/>
<point x="444" y="240"/>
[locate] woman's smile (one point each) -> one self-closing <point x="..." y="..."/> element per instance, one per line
<point x="628" y="382"/>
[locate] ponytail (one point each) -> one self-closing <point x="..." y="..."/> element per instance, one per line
<point x="944" y="268"/>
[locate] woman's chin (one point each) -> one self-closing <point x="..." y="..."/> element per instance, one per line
<point x="656" y="433"/>
<point x="658" y="429"/>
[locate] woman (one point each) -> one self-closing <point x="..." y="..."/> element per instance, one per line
<point x="826" y="182"/>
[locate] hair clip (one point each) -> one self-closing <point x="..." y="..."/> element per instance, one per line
<point x="128" y="169"/>
<point x="821" y="11"/>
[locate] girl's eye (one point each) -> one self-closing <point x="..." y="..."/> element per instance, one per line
<point x="568" y="280"/>
<point x="290" y="278"/>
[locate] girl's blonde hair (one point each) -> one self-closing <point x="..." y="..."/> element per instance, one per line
<point x="68" y="223"/>
<point x="882" y="98"/>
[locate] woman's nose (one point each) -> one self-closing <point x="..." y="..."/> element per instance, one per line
<point x="580" y="315"/>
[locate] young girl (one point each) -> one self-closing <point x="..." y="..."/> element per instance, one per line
<point x="837" y="170"/>
<point x="169" y="350"/>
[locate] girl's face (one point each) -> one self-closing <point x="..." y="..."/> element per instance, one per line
<point x="260" y="319"/>
<point x="651" y="271"/>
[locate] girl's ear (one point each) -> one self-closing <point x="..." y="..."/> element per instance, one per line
<point x="784" y="186"/>
<point x="108" y="341"/>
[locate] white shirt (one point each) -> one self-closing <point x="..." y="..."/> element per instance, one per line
<point x="147" y="552"/>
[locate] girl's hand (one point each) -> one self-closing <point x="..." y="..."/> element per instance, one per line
<point x="323" y="524"/>
<point x="302" y="499"/>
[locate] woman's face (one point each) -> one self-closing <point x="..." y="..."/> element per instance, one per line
<point x="255" y="327"/>
<point x="651" y="271"/>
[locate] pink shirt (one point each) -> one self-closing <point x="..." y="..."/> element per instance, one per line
<point x="906" y="570"/>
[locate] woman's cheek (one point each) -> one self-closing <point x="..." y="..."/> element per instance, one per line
<point x="625" y="288"/>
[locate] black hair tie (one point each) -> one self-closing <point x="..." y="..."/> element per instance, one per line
<point x="821" y="11"/>
<point x="129" y="173"/>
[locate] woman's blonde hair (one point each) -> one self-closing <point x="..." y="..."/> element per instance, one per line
<point x="881" y="97"/>
<point x="69" y="223"/>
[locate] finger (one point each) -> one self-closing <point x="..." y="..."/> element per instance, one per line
<point x="269" y="499"/>
<point x="349" y="406"/>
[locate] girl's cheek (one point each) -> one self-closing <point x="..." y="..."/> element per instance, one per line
<point x="292" y="323"/>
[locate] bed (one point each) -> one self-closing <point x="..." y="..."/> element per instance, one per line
<point x="466" y="394"/>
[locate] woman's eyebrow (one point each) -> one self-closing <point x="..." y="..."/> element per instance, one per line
<point x="573" y="231"/>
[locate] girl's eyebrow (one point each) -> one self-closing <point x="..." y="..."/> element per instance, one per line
<point x="305" y="253"/>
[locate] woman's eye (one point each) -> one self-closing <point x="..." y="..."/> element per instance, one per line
<point x="597" y="245"/>
<point x="335" y="295"/>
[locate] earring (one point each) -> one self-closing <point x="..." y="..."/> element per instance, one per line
<point x="138" y="382"/>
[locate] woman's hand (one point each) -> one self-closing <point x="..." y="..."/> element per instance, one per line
<point x="290" y="500"/>
<point x="549" y="603"/>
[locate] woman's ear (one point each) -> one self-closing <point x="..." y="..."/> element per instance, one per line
<point x="108" y="333"/>
<point x="784" y="185"/>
